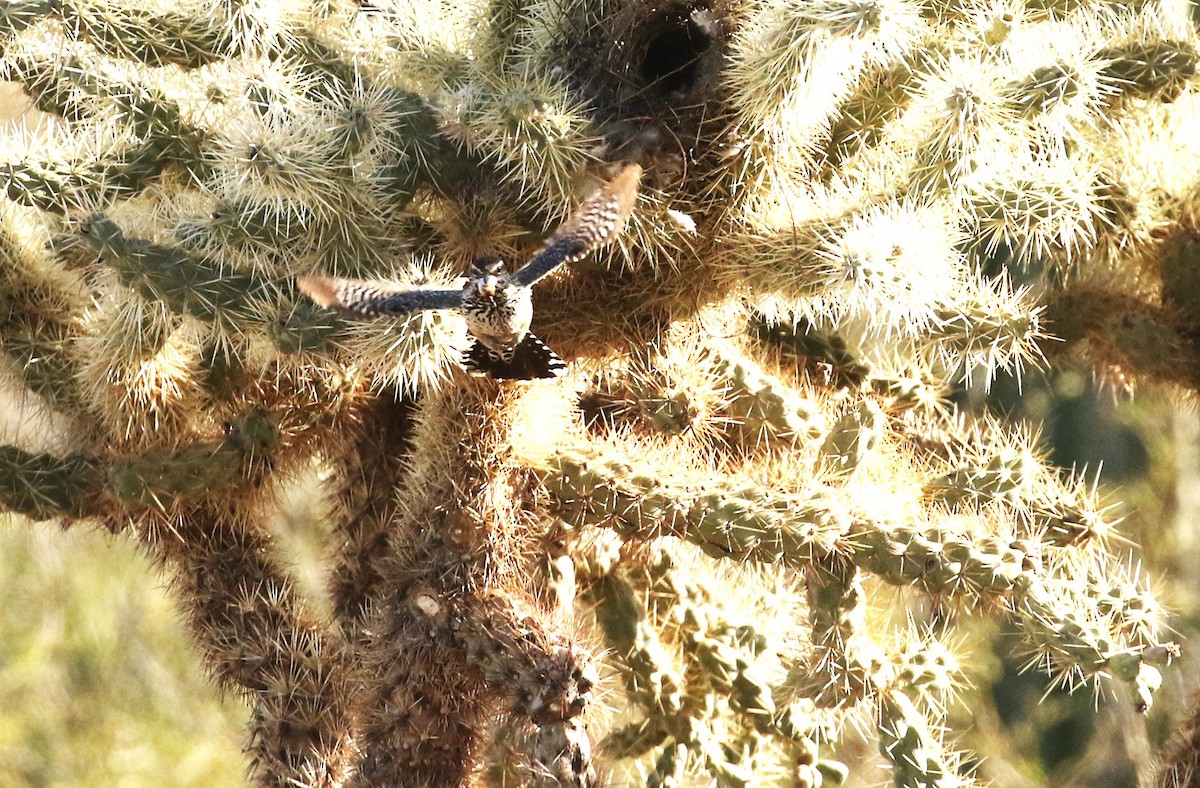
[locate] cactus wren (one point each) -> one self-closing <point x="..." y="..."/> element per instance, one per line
<point x="495" y="303"/>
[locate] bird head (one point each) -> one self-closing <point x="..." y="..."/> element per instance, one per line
<point x="490" y="272"/>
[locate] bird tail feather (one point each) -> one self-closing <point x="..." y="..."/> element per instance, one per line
<point x="530" y="360"/>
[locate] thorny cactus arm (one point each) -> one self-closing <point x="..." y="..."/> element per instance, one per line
<point x="370" y="461"/>
<point x="754" y="430"/>
<point x="244" y="614"/>
<point x="256" y="636"/>
<point x="1068" y="623"/>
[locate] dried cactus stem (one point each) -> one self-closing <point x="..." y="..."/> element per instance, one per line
<point x="257" y="639"/>
<point x="543" y="676"/>
<point x="456" y="608"/>
<point x="368" y="470"/>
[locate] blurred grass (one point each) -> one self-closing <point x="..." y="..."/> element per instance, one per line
<point x="99" y="685"/>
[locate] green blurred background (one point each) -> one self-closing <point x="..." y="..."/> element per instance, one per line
<point x="98" y="684"/>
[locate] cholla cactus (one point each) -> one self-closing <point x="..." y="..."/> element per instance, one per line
<point x="753" y="432"/>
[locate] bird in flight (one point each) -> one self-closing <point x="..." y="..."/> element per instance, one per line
<point x="497" y="304"/>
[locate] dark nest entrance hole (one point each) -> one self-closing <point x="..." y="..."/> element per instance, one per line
<point x="651" y="72"/>
<point x="676" y="42"/>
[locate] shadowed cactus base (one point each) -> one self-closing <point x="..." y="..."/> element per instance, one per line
<point x="748" y="523"/>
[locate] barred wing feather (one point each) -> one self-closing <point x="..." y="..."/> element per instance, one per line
<point x="599" y="220"/>
<point x="371" y="299"/>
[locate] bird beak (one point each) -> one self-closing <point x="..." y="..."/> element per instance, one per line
<point x="489" y="286"/>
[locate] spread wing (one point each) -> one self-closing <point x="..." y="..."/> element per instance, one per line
<point x="599" y="220"/>
<point x="371" y="299"/>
